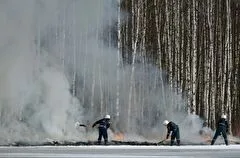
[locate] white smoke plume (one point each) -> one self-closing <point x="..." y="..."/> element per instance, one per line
<point x="35" y="99"/>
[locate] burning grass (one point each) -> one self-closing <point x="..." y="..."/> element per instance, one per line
<point x="113" y="142"/>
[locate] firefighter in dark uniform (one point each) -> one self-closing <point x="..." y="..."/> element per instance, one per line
<point x="172" y="127"/>
<point x="222" y="129"/>
<point x="103" y="125"/>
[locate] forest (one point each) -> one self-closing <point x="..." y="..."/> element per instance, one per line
<point x="195" y="42"/>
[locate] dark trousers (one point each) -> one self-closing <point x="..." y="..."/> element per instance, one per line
<point x="102" y="132"/>
<point x="220" y="130"/>
<point x="175" y="135"/>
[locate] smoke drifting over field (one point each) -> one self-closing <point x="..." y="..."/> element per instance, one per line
<point x="55" y="69"/>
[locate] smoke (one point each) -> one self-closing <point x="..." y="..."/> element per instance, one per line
<point x="193" y="130"/>
<point x="56" y="68"/>
<point x="35" y="101"/>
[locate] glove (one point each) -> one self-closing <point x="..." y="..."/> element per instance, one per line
<point x="167" y="136"/>
<point x="77" y="124"/>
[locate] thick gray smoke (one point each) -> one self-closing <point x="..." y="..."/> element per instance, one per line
<point x="56" y="69"/>
<point x="35" y="101"/>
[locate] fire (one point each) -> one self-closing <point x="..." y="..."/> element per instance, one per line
<point x="118" y="136"/>
<point x="207" y="138"/>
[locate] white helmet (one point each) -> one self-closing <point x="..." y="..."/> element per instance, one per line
<point x="107" y="117"/>
<point x="224" y="116"/>
<point x="165" y="122"/>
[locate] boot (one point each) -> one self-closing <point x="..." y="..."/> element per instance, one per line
<point x="226" y="141"/>
<point x="213" y="141"/>
<point x="172" y="141"/>
<point x="105" y="142"/>
<point x="178" y="142"/>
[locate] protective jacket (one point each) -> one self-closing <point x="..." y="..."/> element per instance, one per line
<point x="102" y="123"/>
<point x="222" y="123"/>
<point x="172" y="127"/>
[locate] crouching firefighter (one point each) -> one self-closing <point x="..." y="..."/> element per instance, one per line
<point x="103" y="125"/>
<point x="222" y="129"/>
<point x="172" y="127"/>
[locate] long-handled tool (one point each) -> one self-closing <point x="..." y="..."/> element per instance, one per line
<point x="161" y="142"/>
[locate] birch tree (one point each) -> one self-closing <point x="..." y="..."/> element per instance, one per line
<point x="134" y="49"/>
<point x="118" y="60"/>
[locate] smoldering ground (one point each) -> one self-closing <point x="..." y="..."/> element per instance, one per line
<point x="56" y="69"/>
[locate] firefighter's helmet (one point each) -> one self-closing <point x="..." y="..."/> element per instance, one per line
<point x="165" y="122"/>
<point x="107" y="117"/>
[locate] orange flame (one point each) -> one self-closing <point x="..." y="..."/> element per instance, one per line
<point x="118" y="136"/>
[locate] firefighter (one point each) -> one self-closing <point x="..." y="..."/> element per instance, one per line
<point x="222" y="129"/>
<point x="174" y="130"/>
<point x="103" y="125"/>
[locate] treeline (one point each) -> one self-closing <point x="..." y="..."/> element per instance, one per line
<point x="197" y="42"/>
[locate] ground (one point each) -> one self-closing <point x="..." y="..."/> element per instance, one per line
<point x="123" y="151"/>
